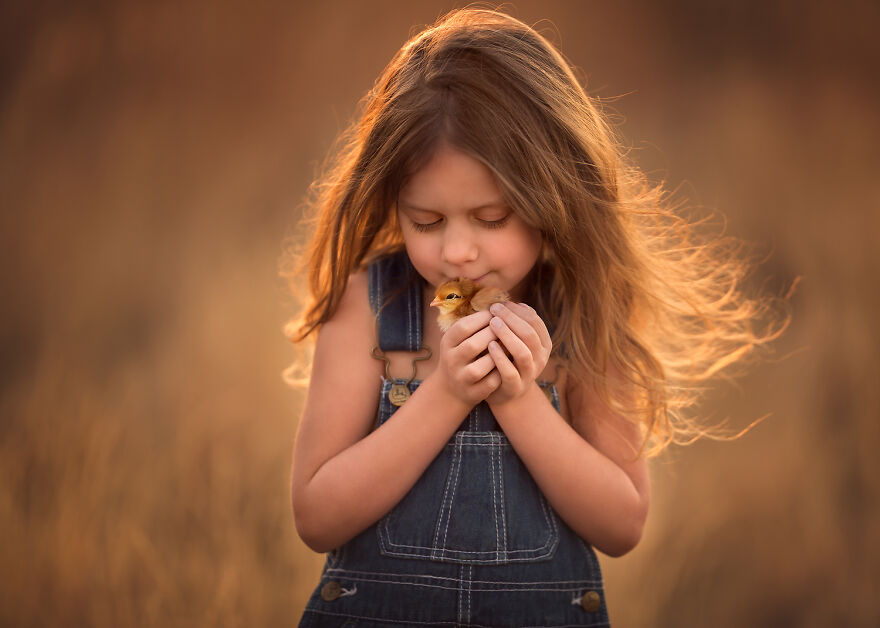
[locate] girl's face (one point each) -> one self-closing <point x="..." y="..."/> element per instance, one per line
<point x="456" y="223"/>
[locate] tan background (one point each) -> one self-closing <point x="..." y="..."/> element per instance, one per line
<point x="153" y="155"/>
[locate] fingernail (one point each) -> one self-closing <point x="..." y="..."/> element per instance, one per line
<point x="495" y="308"/>
<point x="496" y="322"/>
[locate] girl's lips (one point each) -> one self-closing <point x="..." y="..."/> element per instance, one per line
<point x="474" y="279"/>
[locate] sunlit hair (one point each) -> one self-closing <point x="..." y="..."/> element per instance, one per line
<point x="641" y="305"/>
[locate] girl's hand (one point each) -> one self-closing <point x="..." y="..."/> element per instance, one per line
<point x="464" y="373"/>
<point x="525" y="336"/>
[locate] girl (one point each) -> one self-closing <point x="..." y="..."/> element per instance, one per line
<point x="464" y="478"/>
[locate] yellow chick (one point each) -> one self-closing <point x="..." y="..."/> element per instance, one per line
<point x="460" y="297"/>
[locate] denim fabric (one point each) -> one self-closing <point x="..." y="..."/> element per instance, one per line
<point x="474" y="542"/>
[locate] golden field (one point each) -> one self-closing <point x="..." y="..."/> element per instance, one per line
<point x="153" y="160"/>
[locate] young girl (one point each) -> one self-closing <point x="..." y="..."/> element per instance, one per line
<point x="464" y="478"/>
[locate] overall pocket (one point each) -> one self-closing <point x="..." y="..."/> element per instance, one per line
<point x="476" y="503"/>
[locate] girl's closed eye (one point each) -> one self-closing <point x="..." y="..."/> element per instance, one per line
<point x="422" y="220"/>
<point x="496" y="223"/>
<point x="420" y="226"/>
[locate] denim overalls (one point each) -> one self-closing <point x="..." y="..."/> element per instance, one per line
<point x="474" y="542"/>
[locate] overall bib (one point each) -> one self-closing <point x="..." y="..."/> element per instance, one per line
<point x="474" y="542"/>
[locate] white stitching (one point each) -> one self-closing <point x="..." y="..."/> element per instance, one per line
<point x="457" y="587"/>
<point x="495" y="502"/>
<point x="416" y="294"/>
<point x="449" y="554"/>
<point x="347" y="592"/>
<point x="441" y="623"/>
<point x="497" y="443"/>
<point x="470" y="587"/>
<point x="551" y="521"/>
<point x="439" y="523"/>
<point x="503" y="499"/>
<point x="457" y="462"/>
<point x="383" y="619"/>
<point x="372" y="287"/>
<point x="444" y="549"/>
<point x="552" y="538"/>
<point x="409" y="318"/>
<point x="460" y="594"/>
<point x="343" y="573"/>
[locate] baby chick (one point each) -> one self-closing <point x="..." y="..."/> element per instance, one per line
<point x="458" y="298"/>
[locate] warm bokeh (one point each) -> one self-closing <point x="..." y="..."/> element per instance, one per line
<point x="153" y="156"/>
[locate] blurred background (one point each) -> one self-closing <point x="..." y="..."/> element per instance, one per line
<point x="153" y="158"/>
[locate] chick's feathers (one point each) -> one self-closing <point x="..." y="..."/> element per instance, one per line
<point x="460" y="297"/>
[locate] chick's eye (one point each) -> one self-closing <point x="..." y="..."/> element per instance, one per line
<point x="452" y="296"/>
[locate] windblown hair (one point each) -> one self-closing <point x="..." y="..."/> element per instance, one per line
<point x="642" y="306"/>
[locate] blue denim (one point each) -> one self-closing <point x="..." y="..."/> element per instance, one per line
<point x="474" y="542"/>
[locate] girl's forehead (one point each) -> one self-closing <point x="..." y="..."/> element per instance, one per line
<point x="451" y="176"/>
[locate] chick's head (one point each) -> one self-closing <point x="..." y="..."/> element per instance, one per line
<point x="453" y="295"/>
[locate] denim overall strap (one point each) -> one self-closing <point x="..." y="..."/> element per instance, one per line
<point x="396" y="298"/>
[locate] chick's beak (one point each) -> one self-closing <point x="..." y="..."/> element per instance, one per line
<point x="436" y="302"/>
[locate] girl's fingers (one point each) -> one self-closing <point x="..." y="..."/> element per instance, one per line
<point x="475" y="345"/>
<point x="519" y="325"/>
<point x="526" y="323"/>
<point x="465" y="327"/>
<point x="529" y="315"/>
<point x="505" y="367"/>
<point x="479" y="368"/>
<point x="521" y="352"/>
<point x="491" y="382"/>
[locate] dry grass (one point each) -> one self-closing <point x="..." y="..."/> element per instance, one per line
<point x="151" y="159"/>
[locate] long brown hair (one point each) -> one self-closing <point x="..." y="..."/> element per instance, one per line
<point x="642" y="307"/>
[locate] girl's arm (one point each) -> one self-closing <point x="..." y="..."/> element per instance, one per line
<point x="590" y="471"/>
<point x="345" y="476"/>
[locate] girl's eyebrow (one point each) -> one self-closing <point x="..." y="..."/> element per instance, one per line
<point x="472" y="209"/>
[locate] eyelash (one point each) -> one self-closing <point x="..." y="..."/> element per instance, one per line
<point x="420" y="227"/>
<point x="488" y="224"/>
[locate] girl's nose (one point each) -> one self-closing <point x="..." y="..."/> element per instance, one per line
<point x="459" y="247"/>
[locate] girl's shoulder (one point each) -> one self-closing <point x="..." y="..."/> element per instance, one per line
<point x="355" y="297"/>
<point x="345" y="378"/>
<point x="345" y="342"/>
<point x="353" y="319"/>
